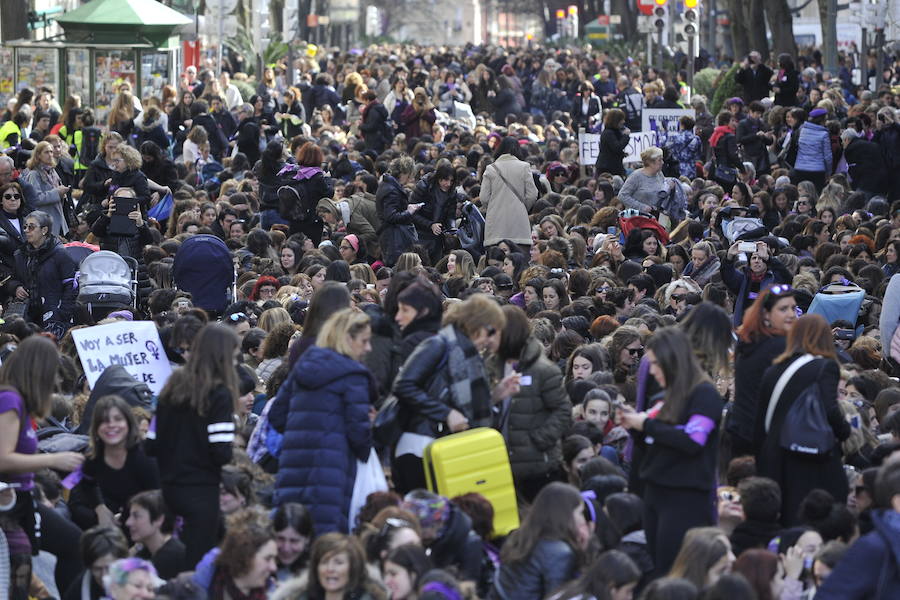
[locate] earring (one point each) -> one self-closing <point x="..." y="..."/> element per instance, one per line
<point x="767" y="323"/>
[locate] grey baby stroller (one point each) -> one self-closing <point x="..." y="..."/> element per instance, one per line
<point x="107" y="282"/>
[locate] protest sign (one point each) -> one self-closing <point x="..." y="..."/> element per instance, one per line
<point x="589" y="146"/>
<point x="664" y="119"/>
<point x="134" y="345"/>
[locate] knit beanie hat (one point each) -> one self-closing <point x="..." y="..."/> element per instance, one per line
<point x="432" y="510"/>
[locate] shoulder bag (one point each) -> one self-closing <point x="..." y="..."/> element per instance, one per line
<point x="511" y="188"/>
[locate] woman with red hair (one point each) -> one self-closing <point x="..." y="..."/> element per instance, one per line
<point x="309" y="185"/>
<point x="265" y="289"/>
<point x="800" y="465"/>
<point x="761" y="338"/>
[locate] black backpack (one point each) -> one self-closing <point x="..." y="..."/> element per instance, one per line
<point x="806" y="429"/>
<point x="293" y="204"/>
<point x="90" y="145"/>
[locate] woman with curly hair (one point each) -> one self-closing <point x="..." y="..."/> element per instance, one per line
<point x="246" y="563"/>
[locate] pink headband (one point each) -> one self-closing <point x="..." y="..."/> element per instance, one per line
<point x="353" y="241"/>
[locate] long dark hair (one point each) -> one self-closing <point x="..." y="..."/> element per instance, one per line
<point x="270" y="161"/>
<point x="681" y="370"/>
<point x="515" y="333"/>
<point x="31" y="371"/>
<point x="709" y="329"/>
<point x="612" y="569"/>
<point x="550" y="518"/>
<point x="210" y="365"/>
<point x="327" y="300"/>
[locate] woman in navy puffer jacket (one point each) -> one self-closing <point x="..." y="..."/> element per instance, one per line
<point x="327" y="428"/>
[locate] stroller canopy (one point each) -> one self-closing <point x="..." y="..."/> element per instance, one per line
<point x="204" y="268"/>
<point x="106" y="279"/>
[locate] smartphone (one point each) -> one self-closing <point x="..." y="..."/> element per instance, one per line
<point x="844" y="334"/>
<point x="611" y="230"/>
<point x="854" y="421"/>
<point x="747" y="247"/>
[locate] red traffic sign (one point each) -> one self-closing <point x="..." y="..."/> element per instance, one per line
<point x="645" y="7"/>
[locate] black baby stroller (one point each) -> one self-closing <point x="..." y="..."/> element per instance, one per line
<point x="204" y="268"/>
<point x="107" y="282"/>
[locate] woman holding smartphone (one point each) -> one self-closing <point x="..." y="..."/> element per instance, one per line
<point x="679" y="468"/>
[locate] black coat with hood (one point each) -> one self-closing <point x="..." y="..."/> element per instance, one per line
<point x="458" y="546"/>
<point x="48" y="275"/>
<point x="152" y="132"/>
<point x="373" y="127"/>
<point x="396" y="233"/>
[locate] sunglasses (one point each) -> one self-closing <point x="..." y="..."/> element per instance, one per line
<point x="394" y="523"/>
<point x="237" y="317"/>
<point x="30" y="226"/>
<point x="636" y="351"/>
<point x="12" y="196"/>
<point x="491" y="331"/>
<point x="779" y="290"/>
<point x="678" y="297"/>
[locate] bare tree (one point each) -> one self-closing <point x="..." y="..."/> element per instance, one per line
<point x="781" y="22"/>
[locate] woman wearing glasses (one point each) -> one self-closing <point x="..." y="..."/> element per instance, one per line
<point x="12" y="227"/>
<point x="626" y="348"/>
<point x="760" y="339"/>
<point x="44" y="276"/>
<point x="679" y="467"/>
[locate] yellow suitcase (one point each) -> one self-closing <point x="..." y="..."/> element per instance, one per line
<point x="474" y="461"/>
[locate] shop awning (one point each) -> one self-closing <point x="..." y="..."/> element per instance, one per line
<point x="121" y="21"/>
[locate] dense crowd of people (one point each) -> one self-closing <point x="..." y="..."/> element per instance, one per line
<point x="692" y="359"/>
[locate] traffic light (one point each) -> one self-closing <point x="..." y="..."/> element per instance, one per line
<point x="660" y="16"/>
<point x="661" y="2"/>
<point x="691" y="3"/>
<point x="690" y="22"/>
<point x="692" y="31"/>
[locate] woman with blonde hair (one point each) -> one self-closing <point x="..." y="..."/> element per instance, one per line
<point x="41" y="175"/>
<point x="272" y="317"/>
<point x="94" y="186"/>
<point x="196" y="137"/>
<point x="327" y="428"/>
<point x="645" y="186"/>
<point x="363" y="272"/>
<point x="121" y="114"/>
<point x="408" y="261"/>
<point x="459" y="263"/>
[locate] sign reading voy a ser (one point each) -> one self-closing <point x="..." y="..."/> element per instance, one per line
<point x="134" y="345"/>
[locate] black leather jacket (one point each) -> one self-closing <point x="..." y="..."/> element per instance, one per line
<point x="422" y="387"/>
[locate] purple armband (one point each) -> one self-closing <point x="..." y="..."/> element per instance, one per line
<point x="699" y="427"/>
<point x="73" y="479"/>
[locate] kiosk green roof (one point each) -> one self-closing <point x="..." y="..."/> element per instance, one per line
<point x="122" y="21"/>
